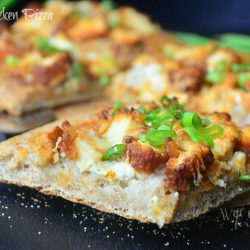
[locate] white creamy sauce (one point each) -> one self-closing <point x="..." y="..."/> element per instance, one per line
<point x="143" y="74"/>
<point x="118" y="129"/>
<point x="87" y="156"/>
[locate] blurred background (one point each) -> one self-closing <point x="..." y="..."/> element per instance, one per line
<point x="207" y="17"/>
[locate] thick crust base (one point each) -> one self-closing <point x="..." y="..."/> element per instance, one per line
<point x="189" y="206"/>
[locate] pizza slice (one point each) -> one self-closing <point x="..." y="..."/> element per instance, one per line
<point x="32" y="79"/>
<point x="154" y="162"/>
<point x="71" y="58"/>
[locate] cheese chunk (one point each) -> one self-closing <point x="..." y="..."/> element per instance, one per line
<point x="87" y="156"/>
<point x="118" y="129"/>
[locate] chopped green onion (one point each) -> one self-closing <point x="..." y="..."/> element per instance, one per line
<point x="245" y="177"/>
<point x="191" y="119"/>
<point x="218" y="73"/>
<point x="45" y="45"/>
<point x="157" y="138"/>
<point x="108" y="58"/>
<point x="74" y="15"/>
<point x="104" y="80"/>
<point x="114" y="20"/>
<point x="193" y="39"/>
<point x="118" y="105"/>
<point x="205" y="122"/>
<point x="114" y="152"/>
<point x="241" y="67"/>
<point x="174" y="108"/>
<point x="236" y="42"/>
<point x="242" y="80"/>
<point x="236" y="47"/>
<point x="108" y="5"/>
<point x="155" y="118"/>
<point x="77" y="69"/>
<point x="164" y="127"/>
<point x="237" y="39"/>
<point x="169" y="53"/>
<point x="161" y="120"/>
<point x="13" y="60"/>
<point x="142" y="109"/>
<point x="206" y="135"/>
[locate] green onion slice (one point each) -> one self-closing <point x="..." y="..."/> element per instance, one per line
<point x="154" y="119"/>
<point x="104" y="80"/>
<point x="193" y="39"/>
<point x="205" y="122"/>
<point x="77" y="69"/>
<point x="13" y="60"/>
<point x="238" y="39"/>
<point x="114" y="152"/>
<point x="242" y="80"/>
<point x="157" y="138"/>
<point x="142" y="109"/>
<point x="108" y="58"/>
<point x="169" y="53"/>
<point x="173" y="107"/>
<point x="241" y="67"/>
<point x="108" y="5"/>
<point x="236" y="42"/>
<point x="114" y="20"/>
<point x="118" y="105"/>
<point x="45" y="45"/>
<point x="191" y="119"/>
<point x="217" y="74"/>
<point x="245" y="177"/>
<point x="206" y="135"/>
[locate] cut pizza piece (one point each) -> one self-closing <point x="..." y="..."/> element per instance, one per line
<point x="71" y="57"/>
<point x="32" y="79"/>
<point x="154" y="163"/>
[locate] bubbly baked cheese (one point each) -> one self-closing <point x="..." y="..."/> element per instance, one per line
<point x="126" y="143"/>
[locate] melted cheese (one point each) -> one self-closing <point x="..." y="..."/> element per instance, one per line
<point x="87" y="156"/>
<point x="118" y="129"/>
<point x="149" y="76"/>
<point x="114" y="170"/>
<point x="61" y="43"/>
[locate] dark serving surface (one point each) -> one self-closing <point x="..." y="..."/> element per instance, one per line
<point x="30" y="220"/>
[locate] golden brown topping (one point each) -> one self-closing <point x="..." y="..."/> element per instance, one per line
<point x="172" y="148"/>
<point x="220" y="117"/>
<point x="188" y="78"/>
<point x="104" y="114"/>
<point x="83" y="29"/>
<point x="125" y="37"/>
<point x="54" y="135"/>
<point x="66" y="145"/>
<point x="54" y="73"/>
<point x="188" y="160"/>
<point x="143" y="158"/>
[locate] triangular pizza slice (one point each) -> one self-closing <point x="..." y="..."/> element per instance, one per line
<point x="153" y="162"/>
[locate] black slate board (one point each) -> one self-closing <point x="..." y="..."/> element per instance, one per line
<point x="30" y="220"/>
